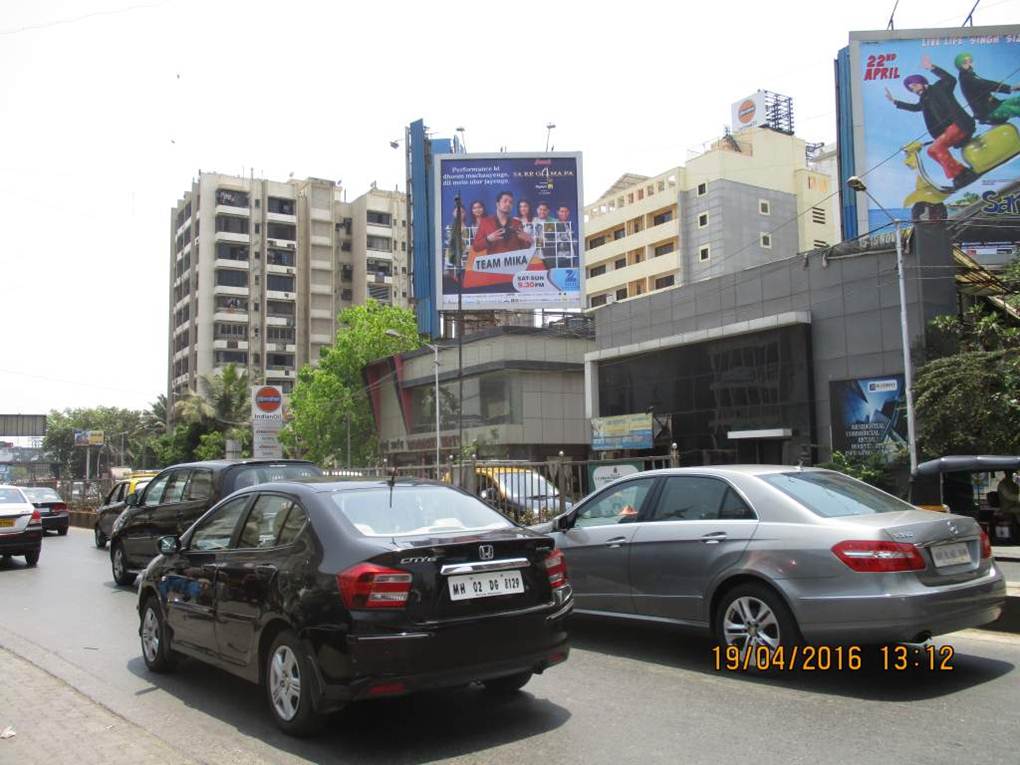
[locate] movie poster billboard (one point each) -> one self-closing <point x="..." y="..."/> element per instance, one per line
<point x="517" y="241"/>
<point x="935" y="121"/>
<point x="869" y="415"/>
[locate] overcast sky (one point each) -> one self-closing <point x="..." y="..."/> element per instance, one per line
<point x="107" y="110"/>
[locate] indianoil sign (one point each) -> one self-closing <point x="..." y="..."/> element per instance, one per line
<point x="748" y="112"/>
<point x="266" y="421"/>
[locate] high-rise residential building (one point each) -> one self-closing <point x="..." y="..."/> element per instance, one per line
<point x="259" y="270"/>
<point x="752" y="197"/>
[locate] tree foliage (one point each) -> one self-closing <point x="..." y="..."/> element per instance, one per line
<point x="123" y="430"/>
<point x="221" y="409"/>
<point x="326" y="395"/>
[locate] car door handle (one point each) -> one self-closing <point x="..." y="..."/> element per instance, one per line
<point x="714" y="537"/>
<point x="266" y="571"/>
<point x="616" y="541"/>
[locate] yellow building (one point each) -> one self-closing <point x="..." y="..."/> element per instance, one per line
<point x="751" y="197"/>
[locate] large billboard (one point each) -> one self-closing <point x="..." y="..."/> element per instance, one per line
<point x="934" y="121"/>
<point x="517" y="241"/>
<point x="868" y="415"/>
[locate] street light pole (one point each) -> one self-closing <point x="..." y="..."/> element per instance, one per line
<point x="857" y="184"/>
<point x="435" y="363"/>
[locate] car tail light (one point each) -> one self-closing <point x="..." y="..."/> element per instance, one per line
<point x="367" y="585"/>
<point x="36" y="518"/>
<point x="556" y="568"/>
<point x="879" y="556"/>
<point x="59" y="507"/>
<point x="986" y="545"/>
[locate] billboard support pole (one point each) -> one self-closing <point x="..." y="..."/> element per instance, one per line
<point x="458" y="250"/>
<point x="908" y="366"/>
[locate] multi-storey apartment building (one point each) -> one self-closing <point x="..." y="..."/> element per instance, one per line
<point x="259" y="270"/>
<point x="751" y="198"/>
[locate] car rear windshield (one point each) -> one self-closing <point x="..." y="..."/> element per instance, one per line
<point x="832" y="495"/>
<point x="43" y="494"/>
<point x="11" y="497"/>
<point x="382" y="512"/>
<point x="249" y="475"/>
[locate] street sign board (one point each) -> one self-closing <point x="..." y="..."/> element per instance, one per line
<point x="266" y="421"/>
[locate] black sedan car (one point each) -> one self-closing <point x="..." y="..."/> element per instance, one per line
<point x="51" y="506"/>
<point x="328" y="593"/>
<point x="177" y="497"/>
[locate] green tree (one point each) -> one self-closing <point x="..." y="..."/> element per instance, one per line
<point x="332" y="394"/>
<point x="877" y="468"/>
<point x="221" y="406"/>
<point x="124" y="438"/>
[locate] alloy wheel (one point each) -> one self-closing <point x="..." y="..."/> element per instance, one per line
<point x="749" y="623"/>
<point x="150" y="635"/>
<point x="285" y="682"/>
<point x="118" y="563"/>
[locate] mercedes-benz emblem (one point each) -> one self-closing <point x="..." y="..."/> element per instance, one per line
<point x="952" y="528"/>
<point x="485" y="552"/>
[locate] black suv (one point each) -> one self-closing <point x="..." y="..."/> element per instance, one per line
<point x="328" y="593"/>
<point x="178" y="497"/>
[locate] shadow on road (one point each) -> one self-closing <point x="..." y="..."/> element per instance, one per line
<point x="416" y="728"/>
<point x="692" y="651"/>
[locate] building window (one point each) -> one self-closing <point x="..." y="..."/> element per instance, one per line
<point x="231" y="198"/>
<point x="664" y="249"/>
<point x="280" y="360"/>
<point x="279" y="283"/>
<point x="621" y="294"/>
<point x="380" y="243"/>
<point x="346" y="295"/>
<point x="279" y="308"/>
<point x="620" y="263"/>
<point x="403" y="246"/>
<point x="280" y="206"/>
<point x="379" y="218"/>
<point x="597" y="300"/>
<point x="230" y="278"/>
<point x="596" y="271"/>
<point x="231" y="304"/>
<point x="638" y="256"/>
<point x="663" y="217"/>
<point x="234" y="331"/>
<point x="231" y="357"/>
<point x="662" y="185"/>
<point x="231" y="224"/>
<point x="704" y="253"/>
<point x="702" y="189"/>
<point x="620" y="233"/>
<point x="818" y="215"/>
<point x="596" y="241"/>
<point x="702" y="220"/>
<point x="227" y="251"/>
<point x="764" y="207"/>
<point x="280" y="257"/>
<point x="766" y="241"/>
<point x="664" y="281"/>
<point x="281" y="231"/>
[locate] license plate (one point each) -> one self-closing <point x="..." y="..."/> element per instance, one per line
<point x="950" y="555"/>
<point x="471" y="586"/>
<point x="6" y="523"/>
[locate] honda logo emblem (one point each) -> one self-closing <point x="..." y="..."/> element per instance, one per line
<point x="485" y="552"/>
<point x="952" y="528"/>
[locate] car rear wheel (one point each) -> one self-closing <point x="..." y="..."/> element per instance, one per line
<point x="100" y="538"/>
<point x="753" y="615"/>
<point x="63" y="531"/>
<point x="32" y="558"/>
<point x="118" y="562"/>
<point x="508" y="684"/>
<point x="155" y="642"/>
<point x="289" y="686"/>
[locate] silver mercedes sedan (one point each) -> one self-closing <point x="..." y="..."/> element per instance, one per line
<point x="775" y="555"/>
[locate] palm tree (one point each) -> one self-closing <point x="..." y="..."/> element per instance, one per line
<point x="223" y="403"/>
<point x="154" y="419"/>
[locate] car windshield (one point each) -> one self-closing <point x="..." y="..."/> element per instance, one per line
<point x="525" y="484"/>
<point x="42" y="494"/>
<point x="384" y="512"/>
<point x="833" y="495"/>
<point x="9" y="496"/>
<point x="249" y="475"/>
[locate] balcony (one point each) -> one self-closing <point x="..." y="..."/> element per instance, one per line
<point x="180" y="303"/>
<point x="378" y="229"/>
<point x="230" y="236"/>
<point x="282" y="244"/>
<point x="274" y="372"/>
<point x="272" y="268"/>
<point x="182" y="327"/>
<point x="383" y="255"/>
<point x="232" y="210"/>
<point x="223" y="289"/>
<point x="279" y="321"/>
<point x="278" y="295"/>
<point x="238" y="265"/>
<point x="619" y="247"/>
<point x="234" y="316"/>
<point x="182" y="227"/>
<point x="281" y="218"/>
<point x="223" y="344"/>
<point x="183" y="277"/>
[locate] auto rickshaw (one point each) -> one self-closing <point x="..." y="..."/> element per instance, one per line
<point x="944" y="485"/>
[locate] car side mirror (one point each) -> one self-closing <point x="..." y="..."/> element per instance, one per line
<point x="132" y="499"/>
<point x="169" y="545"/>
<point x="563" y="522"/>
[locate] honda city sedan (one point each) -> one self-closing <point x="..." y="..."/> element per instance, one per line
<point x="20" y="525"/>
<point x="329" y="593"/>
<point x="771" y="556"/>
<point x="51" y="506"/>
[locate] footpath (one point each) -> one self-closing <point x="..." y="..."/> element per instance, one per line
<point x="46" y="721"/>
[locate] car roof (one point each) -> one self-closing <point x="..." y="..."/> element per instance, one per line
<point x="222" y="464"/>
<point x="728" y="470"/>
<point x="328" y="484"/>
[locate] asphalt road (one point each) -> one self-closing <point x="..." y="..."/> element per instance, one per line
<point x="628" y="693"/>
